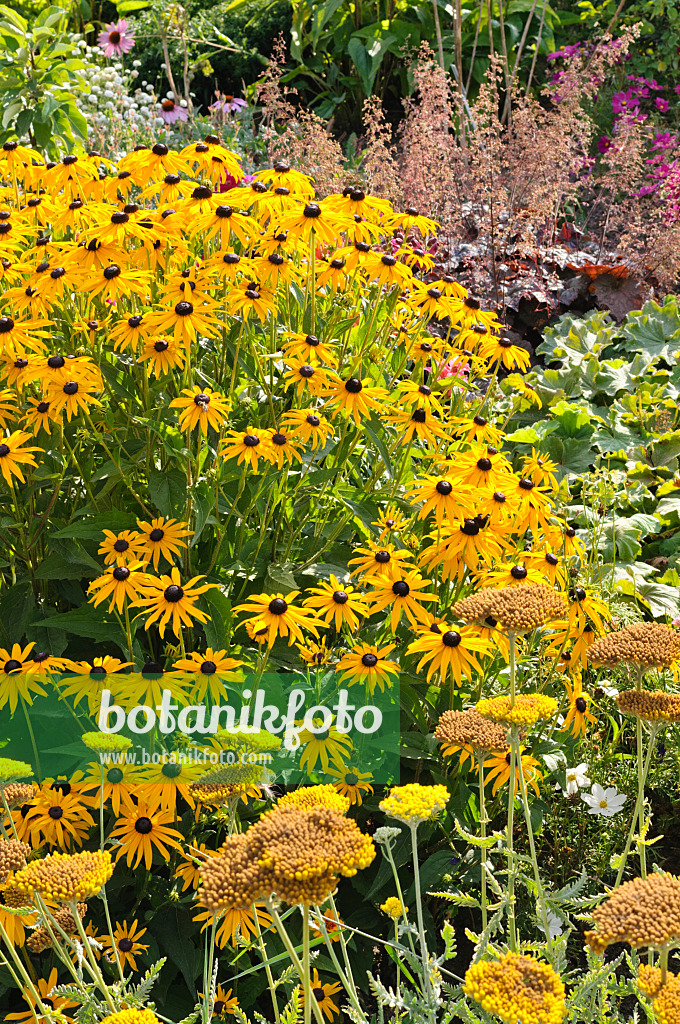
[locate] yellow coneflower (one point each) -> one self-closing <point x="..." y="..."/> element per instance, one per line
<point x="447" y="497"/>
<point x="121" y="548"/>
<point x="309" y="425"/>
<point x="498" y="768"/>
<point x="119" y="583"/>
<point x="186" y="321"/>
<point x="71" y="396"/>
<point x="164" y="354"/>
<point x="171" y="601"/>
<point x="379" y="560"/>
<point x="453" y="649"/>
<point x="127" y="334"/>
<point x="40" y="416"/>
<point x="318" y="218"/>
<point x="351" y="783"/>
<point x="355" y="397"/>
<point x="337" y="603"/>
<point x="163" y="537"/>
<point x="368" y="665"/>
<point x="201" y="408"/>
<point x="126" y="939"/>
<point x="279" y="617"/>
<point x="578" y="716"/>
<point x="305" y="376"/>
<point x="251" y="297"/>
<point x="53" y="1003"/>
<point x="208" y="671"/>
<point x="142" y="830"/>
<point x="404" y="594"/>
<point x="14" y="454"/>
<point x="309" y="348"/>
<point x="323" y="994"/>
<point x="248" y="446"/>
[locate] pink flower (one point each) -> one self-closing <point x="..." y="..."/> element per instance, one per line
<point x="661" y="104"/>
<point x="675" y="622"/>
<point x="227" y="104"/>
<point x="116" y="39"/>
<point x="229" y="182"/>
<point x="171" y="112"/>
<point x="623" y="102"/>
<point x="604" y="144"/>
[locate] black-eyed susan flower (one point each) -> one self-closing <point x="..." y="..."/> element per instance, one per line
<point x="249" y="298"/>
<point x="248" y="446"/>
<point x="549" y="564"/>
<point x="186" y="320"/>
<point x="229" y="266"/>
<point x="332" y="273"/>
<point x="201" y="407"/>
<point x="59" y="819"/>
<point x="225" y="1003"/>
<point x="71" y="396"/>
<point x="234" y="924"/>
<point x="283" y="448"/>
<point x="368" y="665"/>
<point x="512" y="574"/>
<point x="126" y="940"/>
<point x="163" y="537"/>
<point x="323" y="994"/>
<point x="584" y="606"/>
<point x="15" y="681"/>
<point x="209" y="671"/>
<point x="142" y="830"/>
<point x="355" y="397"/>
<point x="387" y="270"/>
<point x="337" y="603"/>
<point x="445" y="496"/>
<point x="447" y="649"/>
<point x="541" y="469"/>
<point x="418" y="422"/>
<point x="309" y="425"/>
<point x="15" y="454"/>
<point x="320" y="219"/>
<point x="163" y="355"/>
<point x="534" y="505"/>
<point x="283" y="174"/>
<point x="18" y="337"/>
<point x="323" y="746"/>
<point x="120" y="583"/>
<point x="279" y="616"/>
<point x="351" y="782"/>
<point x="127" y="334"/>
<point x="163" y="783"/>
<point x="579" y="714"/>
<point x="170" y="601"/>
<point x="40" y="416"/>
<point x="467" y="313"/>
<point x="52" y="1003"/>
<point x="309" y="349"/>
<point x="275" y="269"/>
<point x="119" y="785"/>
<point x="379" y="560"/>
<point x="419" y="395"/>
<point x="115" y="283"/>
<point x="502" y="350"/>
<point x="305" y="377"/>
<point x="223" y="221"/>
<point x="121" y="548"/>
<point x="497" y="767"/>
<point x="411" y="218"/>
<point x="457" y="547"/>
<point x="482" y="466"/>
<point x="211" y="160"/>
<point x="391" y="520"/>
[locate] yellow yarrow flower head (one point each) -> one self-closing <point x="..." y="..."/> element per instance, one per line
<point x="11" y="770"/>
<point x="131" y="1017"/>
<point x="517" y="990"/>
<point x="394" y="908"/>
<point x="414" y="804"/>
<point x="664" y="993"/>
<point x="105" y="742"/>
<point x="66" y="877"/>
<point x="307" y="797"/>
<point x="528" y="709"/>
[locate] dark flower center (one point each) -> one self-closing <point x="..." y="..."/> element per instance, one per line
<point x="353" y="385"/>
<point x="479" y="421"/>
<point x="143" y="826"/>
<point x="337" y="264"/>
<point x="277" y="606"/>
<point x="125" y="945"/>
<point x="581" y="704"/>
<point x="426" y="347"/>
<point x="451" y="638"/>
<point x="114" y="776"/>
<point x="401" y="588"/>
<point x="223" y="212"/>
<point x="519" y="572"/>
<point x="443" y="487"/>
<point x="208" y="667"/>
<point x="526" y="485"/>
<point x="319" y="994"/>
<point x="484" y="464"/>
<point x="388" y="261"/>
<point x="306" y="371"/>
<point x="56" y="362"/>
<point x="119" y="217"/>
<point x="425" y="390"/>
<point x="472" y="303"/>
<point x="160" y="149"/>
<point x="42" y="407"/>
<point x="313" y="420"/>
<point x="340" y="597"/>
<point x="184" y="308"/>
<point x="252" y="294"/>
<point x="56" y="813"/>
<point x="57" y="273"/>
<point x="70" y="388"/>
<point x="173" y="593"/>
<point x="470" y="527"/>
<point x="551" y="559"/>
<point x="312" y="210"/>
<point x="156" y="534"/>
<point x="121" y="545"/>
<point x="202" y="192"/>
<point x="111" y="272"/>
<point x="201" y="399"/>
<point x="11" y="666"/>
<point x="276" y="259"/>
<point x="434" y="293"/>
<point x="251" y="440"/>
<point x="369" y="660"/>
<point x="279" y="439"/>
<point x="419" y="416"/>
<point x="160" y="346"/>
<point x="121" y="573"/>
<point x="570" y="532"/>
<point x="580" y="594"/>
<point x="499" y="497"/>
<point x="383" y="557"/>
<point x="114" y="37"/>
<point x="172" y="770"/>
<point x="231" y="259"/>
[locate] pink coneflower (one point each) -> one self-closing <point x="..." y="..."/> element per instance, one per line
<point x="116" y="39"/>
<point x="171" y="112"/>
<point x="227" y="104"/>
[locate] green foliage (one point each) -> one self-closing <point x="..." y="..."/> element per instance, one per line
<point x="37" y="80"/>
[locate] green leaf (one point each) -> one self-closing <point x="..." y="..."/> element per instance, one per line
<point x="17" y="605"/>
<point x="93" y="623"/>
<point x="167" y="490"/>
<point x="127" y="6"/>
<point x="77" y="565"/>
<point x="92" y="528"/>
<point x="219" y="627"/>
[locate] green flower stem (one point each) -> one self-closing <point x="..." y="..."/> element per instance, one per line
<point x="513" y="671"/>
<point x="642" y="849"/>
<point x="483" y="824"/>
<point x="7" y="812"/>
<point x="295" y="960"/>
<point x="26" y="978"/>
<point x="32" y="735"/>
<point x="387" y="849"/>
<point x="265" y="960"/>
<point x="532" y="845"/>
<point x="114" y="460"/>
<point x="4" y="962"/>
<point x="345" y="977"/>
<point x="343" y="946"/>
<point x="90" y="956"/>
<point x="638" y="813"/>
<point x="427" y="981"/>
<point x="307" y="1012"/>
<point x="512" y="932"/>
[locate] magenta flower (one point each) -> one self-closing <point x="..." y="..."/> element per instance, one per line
<point x="226" y="104"/>
<point x="171" y="112"/>
<point x="116" y="39"/>
<point x="604" y="144"/>
<point x="623" y="102"/>
<point x="661" y="104"/>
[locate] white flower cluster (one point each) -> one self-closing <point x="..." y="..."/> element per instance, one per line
<point x="109" y="93"/>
